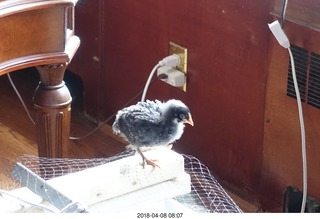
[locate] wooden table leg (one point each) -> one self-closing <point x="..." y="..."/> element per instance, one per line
<point x="52" y="102"/>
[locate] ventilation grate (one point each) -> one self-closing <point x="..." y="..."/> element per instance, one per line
<point x="308" y="76"/>
<point x="314" y="81"/>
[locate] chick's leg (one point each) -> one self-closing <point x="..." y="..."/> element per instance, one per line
<point x="145" y="160"/>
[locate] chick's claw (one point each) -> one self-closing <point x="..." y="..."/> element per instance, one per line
<point x="151" y="163"/>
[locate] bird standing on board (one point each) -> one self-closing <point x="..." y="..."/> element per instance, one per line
<point x="152" y="123"/>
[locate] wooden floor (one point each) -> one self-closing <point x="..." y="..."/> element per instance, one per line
<point x="18" y="134"/>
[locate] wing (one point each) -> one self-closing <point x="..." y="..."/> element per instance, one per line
<point x="149" y="111"/>
<point x="136" y="121"/>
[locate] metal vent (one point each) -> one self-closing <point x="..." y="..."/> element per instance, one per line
<point x="314" y="81"/>
<point x="308" y="76"/>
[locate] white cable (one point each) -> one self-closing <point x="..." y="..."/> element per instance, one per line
<point x="303" y="138"/>
<point x="170" y="61"/>
<point x="20" y="98"/>
<point x="283" y="40"/>
<point x="148" y="82"/>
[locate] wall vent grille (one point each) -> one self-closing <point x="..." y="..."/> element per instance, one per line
<point x="308" y="76"/>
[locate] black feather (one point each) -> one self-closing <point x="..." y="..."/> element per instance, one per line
<point x="152" y="123"/>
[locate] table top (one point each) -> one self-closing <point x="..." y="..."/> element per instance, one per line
<point x="35" y="32"/>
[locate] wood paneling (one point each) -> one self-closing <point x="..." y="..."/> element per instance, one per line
<point x="87" y="60"/>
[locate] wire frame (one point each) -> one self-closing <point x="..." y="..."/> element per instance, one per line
<point x="206" y="196"/>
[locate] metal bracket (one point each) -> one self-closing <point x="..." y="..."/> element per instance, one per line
<point x="40" y="187"/>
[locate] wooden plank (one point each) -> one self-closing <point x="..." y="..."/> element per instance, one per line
<point x="120" y="177"/>
<point x="158" y="195"/>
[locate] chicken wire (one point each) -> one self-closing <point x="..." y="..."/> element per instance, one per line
<point x="206" y="196"/>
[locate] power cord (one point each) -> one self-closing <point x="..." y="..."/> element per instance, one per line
<point x="281" y="37"/>
<point x="283" y="12"/>
<point x="71" y="138"/>
<point x="170" y="61"/>
<point x="303" y="138"/>
<point x="105" y="121"/>
<point x="21" y="100"/>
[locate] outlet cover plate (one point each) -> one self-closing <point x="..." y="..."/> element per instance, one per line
<point x="182" y="52"/>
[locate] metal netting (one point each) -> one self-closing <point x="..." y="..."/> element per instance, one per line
<point x="206" y="195"/>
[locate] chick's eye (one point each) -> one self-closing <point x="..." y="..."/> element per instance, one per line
<point x="182" y="117"/>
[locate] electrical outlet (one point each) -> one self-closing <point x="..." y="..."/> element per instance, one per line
<point x="182" y="53"/>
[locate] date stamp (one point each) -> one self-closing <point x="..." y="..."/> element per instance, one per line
<point x="159" y="215"/>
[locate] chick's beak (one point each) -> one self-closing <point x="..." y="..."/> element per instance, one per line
<point x="189" y="121"/>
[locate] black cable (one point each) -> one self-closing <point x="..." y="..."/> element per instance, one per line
<point x="109" y="118"/>
<point x="81" y="2"/>
<point x="72" y="138"/>
<point x="283" y="11"/>
<point x="105" y="121"/>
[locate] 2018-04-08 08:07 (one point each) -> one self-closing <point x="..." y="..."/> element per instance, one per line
<point x="159" y="215"/>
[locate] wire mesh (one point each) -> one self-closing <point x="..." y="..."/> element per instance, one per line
<point x="206" y="196"/>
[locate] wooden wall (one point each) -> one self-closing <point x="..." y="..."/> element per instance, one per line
<point x="228" y="63"/>
<point x="87" y="62"/>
